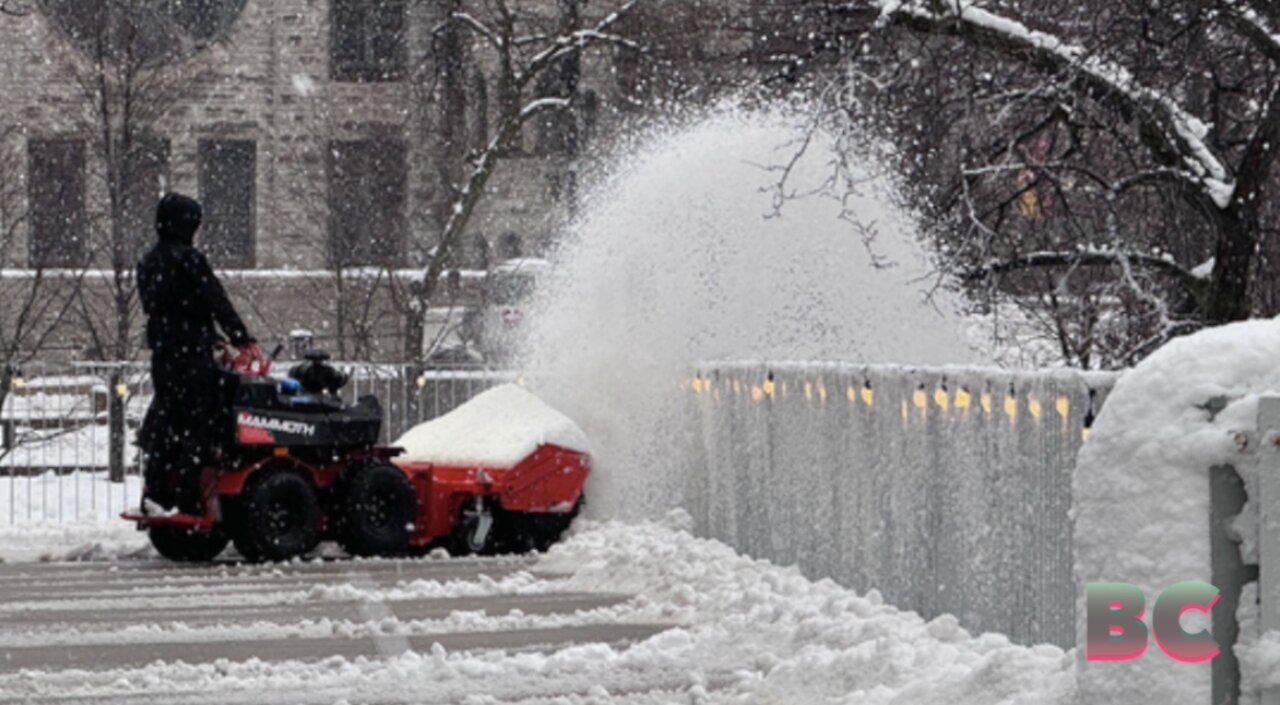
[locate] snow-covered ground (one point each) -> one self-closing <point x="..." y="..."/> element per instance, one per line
<point x="71" y="516"/>
<point x="737" y="630"/>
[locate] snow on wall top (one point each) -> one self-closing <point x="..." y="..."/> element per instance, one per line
<point x="498" y="428"/>
<point x="1141" y="490"/>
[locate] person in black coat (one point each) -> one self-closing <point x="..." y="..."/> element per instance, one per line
<point x="190" y="414"/>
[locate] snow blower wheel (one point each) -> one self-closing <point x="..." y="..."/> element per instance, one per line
<point x="379" y="507"/>
<point x="186" y="546"/>
<point x="476" y="531"/>
<point x="278" y="518"/>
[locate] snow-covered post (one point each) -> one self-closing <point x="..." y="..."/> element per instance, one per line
<point x="1268" y="506"/>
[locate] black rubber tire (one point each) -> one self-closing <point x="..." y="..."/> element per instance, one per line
<point x="186" y="546"/>
<point x="276" y="517"/>
<point x="379" y="508"/>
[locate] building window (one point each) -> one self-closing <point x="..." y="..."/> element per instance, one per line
<point x="146" y="178"/>
<point x="510" y="247"/>
<point x="56" y="190"/>
<point x="153" y="31"/>
<point x="367" y="40"/>
<point x="367" y="180"/>
<point x="228" y="180"/>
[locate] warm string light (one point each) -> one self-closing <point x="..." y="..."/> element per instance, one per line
<point x="962" y="399"/>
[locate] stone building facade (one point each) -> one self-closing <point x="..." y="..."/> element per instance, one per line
<point x="307" y="128"/>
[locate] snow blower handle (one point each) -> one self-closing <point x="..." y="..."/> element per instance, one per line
<point x="247" y="360"/>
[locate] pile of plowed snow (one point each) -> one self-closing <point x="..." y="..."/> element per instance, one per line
<point x="498" y="429"/>
<point x="1141" y="498"/>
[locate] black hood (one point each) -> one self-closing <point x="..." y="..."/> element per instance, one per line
<point x="178" y="218"/>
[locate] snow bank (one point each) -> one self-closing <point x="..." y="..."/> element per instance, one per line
<point x="498" y="428"/>
<point x="1141" y="488"/>
<point x="793" y="640"/>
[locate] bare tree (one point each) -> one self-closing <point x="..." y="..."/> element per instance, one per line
<point x="533" y="75"/>
<point x="1106" y="162"/>
<point x="34" y="299"/>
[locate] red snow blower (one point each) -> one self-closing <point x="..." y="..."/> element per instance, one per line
<point x="303" y="467"/>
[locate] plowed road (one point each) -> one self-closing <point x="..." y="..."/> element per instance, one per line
<point x="93" y="632"/>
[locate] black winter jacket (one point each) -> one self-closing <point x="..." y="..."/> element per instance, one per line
<point x="181" y="295"/>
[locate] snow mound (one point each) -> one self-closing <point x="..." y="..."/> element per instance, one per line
<point x="1141" y="489"/>
<point x="788" y="639"/>
<point x="498" y="429"/>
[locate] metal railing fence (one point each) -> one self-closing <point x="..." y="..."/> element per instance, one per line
<point x="67" y="431"/>
<point x="948" y="490"/>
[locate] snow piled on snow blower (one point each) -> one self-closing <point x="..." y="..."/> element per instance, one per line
<point x="496" y="429"/>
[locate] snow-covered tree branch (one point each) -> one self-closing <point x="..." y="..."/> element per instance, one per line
<point x="1029" y="133"/>
<point x="1180" y="132"/>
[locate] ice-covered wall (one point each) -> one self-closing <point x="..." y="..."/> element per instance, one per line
<point x="947" y="489"/>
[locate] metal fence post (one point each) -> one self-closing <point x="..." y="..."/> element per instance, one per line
<point x="115" y="425"/>
<point x="1269" y="525"/>
<point x="1226" y="501"/>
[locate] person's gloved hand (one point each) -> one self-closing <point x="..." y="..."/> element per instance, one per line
<point x="259" y="363"/>
<point x="250" y="361"/>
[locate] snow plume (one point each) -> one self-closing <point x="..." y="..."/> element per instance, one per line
<point x="678" y="257"/>
<point x="1141" y="493"/>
